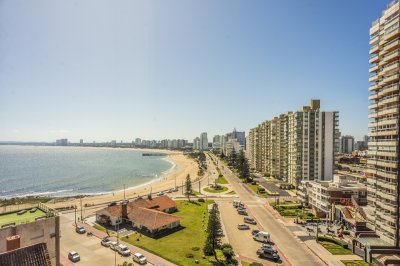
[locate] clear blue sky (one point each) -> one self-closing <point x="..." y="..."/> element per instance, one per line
<point x="103" y="70"/>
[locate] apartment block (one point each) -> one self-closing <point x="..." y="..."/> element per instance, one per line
<point x="347" y="144"/>
<point x="296" y="146"/>
<point x="383" y="146"/>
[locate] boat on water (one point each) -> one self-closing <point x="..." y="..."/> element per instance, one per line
<point x="152" y="154"/>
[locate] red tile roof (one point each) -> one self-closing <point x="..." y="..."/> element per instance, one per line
<point x="35" y="255"/>
<point x="152" y="219"/>
<point x="162" y="203"/>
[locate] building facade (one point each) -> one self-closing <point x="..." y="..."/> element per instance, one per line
<point x="346" y="144"/>
<point x="383" y="146"/>
<point x="296" y="146"/>
<point x="203" y="141"/>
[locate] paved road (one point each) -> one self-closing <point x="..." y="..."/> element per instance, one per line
<point x="273" y="188"/>
<point x="292" y="248"/>
<point x="90" y="250"/>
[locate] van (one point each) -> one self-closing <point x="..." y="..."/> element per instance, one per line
<point x="249" y="220"/>
<point x="262" y="237"/>
<point x="242" y="211"/>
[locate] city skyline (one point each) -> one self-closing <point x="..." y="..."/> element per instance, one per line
<point x="71" y="73"/>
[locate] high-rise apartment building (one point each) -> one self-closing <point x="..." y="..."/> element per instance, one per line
<point x="383" y="147"/>
<point x="297" y="145"/>
<point x="203" y="141"/>
<point x="347" y="144"/>
<point x="196" y="143"/>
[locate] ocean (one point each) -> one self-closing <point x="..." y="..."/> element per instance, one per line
<point x="69" y="171"/>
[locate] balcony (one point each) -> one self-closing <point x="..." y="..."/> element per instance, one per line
<point x="383" y="133"/>
<point x="373" y="115"/>
<point x="389" y="78"/>
<point x="386" y="153"/>
<point x="389" y="47"/>
<point x="388" y="100"/>
<point x="373" y="68"/>
<point x="388" y="89"/>
<point x="373" y="96"/>
<point x="390" y="67"/>
<point x="374" y="49"/>
<point x="374" y="58"/>
<point x="389" y="35"/>
<point x="384" y="184"/>
<point x="383" y="143"/>
<point x="373" y="87"/>
<point x="373" y="78"/>
<point x="373" y="106"/>
<point x="372" y="125"/>
<point x="387" y="111"/>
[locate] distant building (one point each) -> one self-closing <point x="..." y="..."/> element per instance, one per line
<point x="232" y="145"/>
<point x="138" y="142"/>
<point x="203" y="141"/>
<point x="196" y="143"/>
<point x="216" y="142"/>
<point x="346" y="144"/>
<point x="239" y="136"/>
<point x="81" y="141"/>
<point x="62" y="142"/>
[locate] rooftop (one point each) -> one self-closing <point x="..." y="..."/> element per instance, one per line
<point x="35" y="255"/>
<point x="26" y="217"/>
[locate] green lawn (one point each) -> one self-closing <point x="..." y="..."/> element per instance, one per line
<point x="222" y="180"/>
<point x="356" y="263"/>
<point x="211" y="190"/>
<point x="255" y="188"/>
<point x="19" y="219"/>
<point x="334" y="248"/>
<point x="178" y="246"/>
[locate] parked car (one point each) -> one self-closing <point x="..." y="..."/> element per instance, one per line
<point x="80" y="230"/>
<point x="268" y="255"/>
<point x="113" y="245"/>
<point x="262" y="237"/>
<point x="123" y="250"/>
<point x="171" y="190"/>
<point x="255" y="231"/>
<point x="74" y="256"/>
<point x="175" y="189"/>
<point x="105" y="242"/>
<point x="112" y="204"/>
<point x="268" y="247"/>
<point x="242" y="211"/>
<point x="139" y="258"/>
<point x="243" y="227"/>
<point x="249" y="220"/>
<point x="160" y="193"/>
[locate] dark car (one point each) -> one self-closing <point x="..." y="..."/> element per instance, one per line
<point x="112" y="204"/>
<point x="266" y="254"/>
<point x="255" y="231"/>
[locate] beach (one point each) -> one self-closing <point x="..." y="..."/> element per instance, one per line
<point x="182" y="166"/>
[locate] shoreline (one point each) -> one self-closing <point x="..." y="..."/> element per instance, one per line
<point x="181" y="166"/>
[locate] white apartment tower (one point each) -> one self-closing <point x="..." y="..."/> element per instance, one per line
<point x="296" y="146"/>
<point x="203" y="141"/>
<point x="383" y="147"/>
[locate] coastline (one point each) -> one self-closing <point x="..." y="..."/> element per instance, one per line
<point x="181" y="166"/>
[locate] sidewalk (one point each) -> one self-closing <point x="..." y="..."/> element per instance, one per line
<point x="151" y="258"/>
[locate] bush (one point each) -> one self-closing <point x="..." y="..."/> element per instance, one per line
<point x="346" y="233"/>
<point x="256" y="264"/>
<point x="195" y="248"/>
<point x="189" y="255"/>
<point x="332" y="240"/>
<point x="201" y="200"/>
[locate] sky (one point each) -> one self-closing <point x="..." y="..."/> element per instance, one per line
<point x="116" y="70"/>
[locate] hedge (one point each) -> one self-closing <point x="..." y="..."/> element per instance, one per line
<point x="332" y="240"/>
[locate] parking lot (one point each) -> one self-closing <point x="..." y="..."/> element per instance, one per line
<point x="241" y="240"/>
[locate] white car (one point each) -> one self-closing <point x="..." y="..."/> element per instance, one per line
<point x="114" y="245"/>
<point x="243" y="227"/>
<point x="123" y="250"/>
<point x="139" y="258"/>
<point x="74" y="256"/>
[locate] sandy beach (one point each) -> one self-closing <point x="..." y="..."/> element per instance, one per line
<point x="183" y="166"/>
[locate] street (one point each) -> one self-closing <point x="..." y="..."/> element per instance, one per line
<point x="288" y="246"/>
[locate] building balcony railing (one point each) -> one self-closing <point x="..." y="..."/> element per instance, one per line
<point x="388" y="89"/>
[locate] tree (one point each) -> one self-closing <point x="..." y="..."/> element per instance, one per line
<point x="188" y="187"/>
<point x="243" y="167"/>
<point x="213" y="240"/>
<point x="232" y="158"/>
